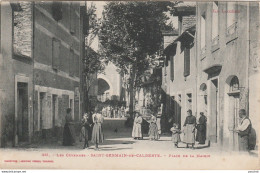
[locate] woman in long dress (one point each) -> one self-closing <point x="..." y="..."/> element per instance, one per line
<point x="153" y="130"/>
<point x="201" y="129"/>
<point x="68" y="132"/>
<point x="137" y="127"/>
<point x="97" y="132"/>
<point x="189" y="129"/>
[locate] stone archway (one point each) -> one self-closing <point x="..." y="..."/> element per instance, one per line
<point x="105" y="90"/>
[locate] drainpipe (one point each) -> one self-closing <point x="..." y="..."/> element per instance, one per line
<point x="196" y="60"/>
<point x="247" y="56"/>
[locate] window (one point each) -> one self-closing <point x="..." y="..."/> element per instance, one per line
<point x="172" y="67"/>
<point x="202" y="30"/>
<point x="231" y="13"/>
<point x="186" y="61"/>
<point x="189" y="101"/>
<point x="55" y="53"/>
<point x="234" y="84"/>
<point x="215" y="20"/>
<point x="71" y="62"/>
<point x="57" y="10"/>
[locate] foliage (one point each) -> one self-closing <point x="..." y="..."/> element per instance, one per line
<point x="131" y="31"/>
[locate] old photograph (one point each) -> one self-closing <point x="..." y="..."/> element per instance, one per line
<point x="129" y="85"/>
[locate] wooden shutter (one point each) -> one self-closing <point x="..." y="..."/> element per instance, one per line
<point x="76" y="65"/>
<point x="55" y="53"/>
<point x="71" y="63"/>
<point x="172" y="67"/>
<point x="57" y="10"/>
<point x="72" y="18"/>
<point x="186" y="61"/>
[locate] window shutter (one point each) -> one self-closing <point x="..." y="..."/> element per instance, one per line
<point x="72" y="19"/>
<point x="71" y="65"/>
<point x="55" y="54"/>
<point x="57" y="10"/>
<point x="186" y="61"/>
<point x="76" y="65"/>
<point x="172" y="67"/>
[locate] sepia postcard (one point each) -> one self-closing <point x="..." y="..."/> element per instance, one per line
<point x="126" y="85"/>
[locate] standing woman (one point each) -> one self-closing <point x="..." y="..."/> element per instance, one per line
<point x="201" y="129"/>
<point x="189" y="129"/>
<point x="68" y="133"/>
<point x="153" y="130"/>
<point x="137" y="127"/>
<point x="97" y="133"/>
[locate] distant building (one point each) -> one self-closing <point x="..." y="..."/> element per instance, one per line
<point x="109" y="84"/>
<point x="41" y="54"/>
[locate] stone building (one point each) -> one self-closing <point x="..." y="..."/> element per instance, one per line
<point x="179" y="71"/>
<point x="227" y="67"/>
<point x="41" y="50"/>
<point x="223" y="68"/>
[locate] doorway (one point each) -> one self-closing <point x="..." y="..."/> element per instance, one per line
<point x="22" y="130"/>
<point x="233" y="101"/>
<point x="42" y="112"/>
<point x="214" y="111"/>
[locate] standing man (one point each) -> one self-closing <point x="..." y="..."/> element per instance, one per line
<point x="243" y="130"/>
<point x="189" y="129"/>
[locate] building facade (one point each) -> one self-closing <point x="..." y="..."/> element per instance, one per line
<point x="227" y="39"/>
<point x="42" y="49"/>
<point x="179" y="71"/>
<point x="223" y="69"/>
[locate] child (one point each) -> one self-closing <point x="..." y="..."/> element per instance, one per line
<point x="153" y="130"/>
<point x="176" y="134"/>
<point x="85" y="127"/>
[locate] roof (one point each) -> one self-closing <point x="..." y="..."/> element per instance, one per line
<point x="188" y="34"/>
<point x="185" y="8"/>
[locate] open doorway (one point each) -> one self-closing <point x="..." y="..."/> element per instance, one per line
<point x="22" y="122"/>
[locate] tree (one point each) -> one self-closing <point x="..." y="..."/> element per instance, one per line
<point x="130" y="32"/>
<point x="92" y="61"/>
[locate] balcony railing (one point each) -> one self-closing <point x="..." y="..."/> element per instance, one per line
<point x="215" y="40"/>
<point x="231" y="33"/>
<point x="232" y="29"/>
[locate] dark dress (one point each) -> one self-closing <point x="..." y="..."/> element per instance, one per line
<point x="85" y="129"/>
<point x="68" y="133"/>
<point x="201" y="130"/>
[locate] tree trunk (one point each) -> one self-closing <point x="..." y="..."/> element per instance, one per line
<point x="132" y="92"/>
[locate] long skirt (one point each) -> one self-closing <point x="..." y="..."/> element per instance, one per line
<point x="97" y="134"/>
<point x="68" y="135"/>
<point x="137" y="131"/>
<point x="189" y="134"/>
<point x="153" y="131"/>
<point x="176" y="138"/>
<point x="201" y="133"/>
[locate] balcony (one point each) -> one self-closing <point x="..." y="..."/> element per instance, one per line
<point x="231" y="33"/>
<point x="215" y="44"/>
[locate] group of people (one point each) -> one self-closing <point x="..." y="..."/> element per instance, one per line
<point x="113" y="112"/>
<point x="189" y="128"/>
<point x="191" y="125"/>
<point x="97" y="135"/>
<point x="154" y="127"/>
